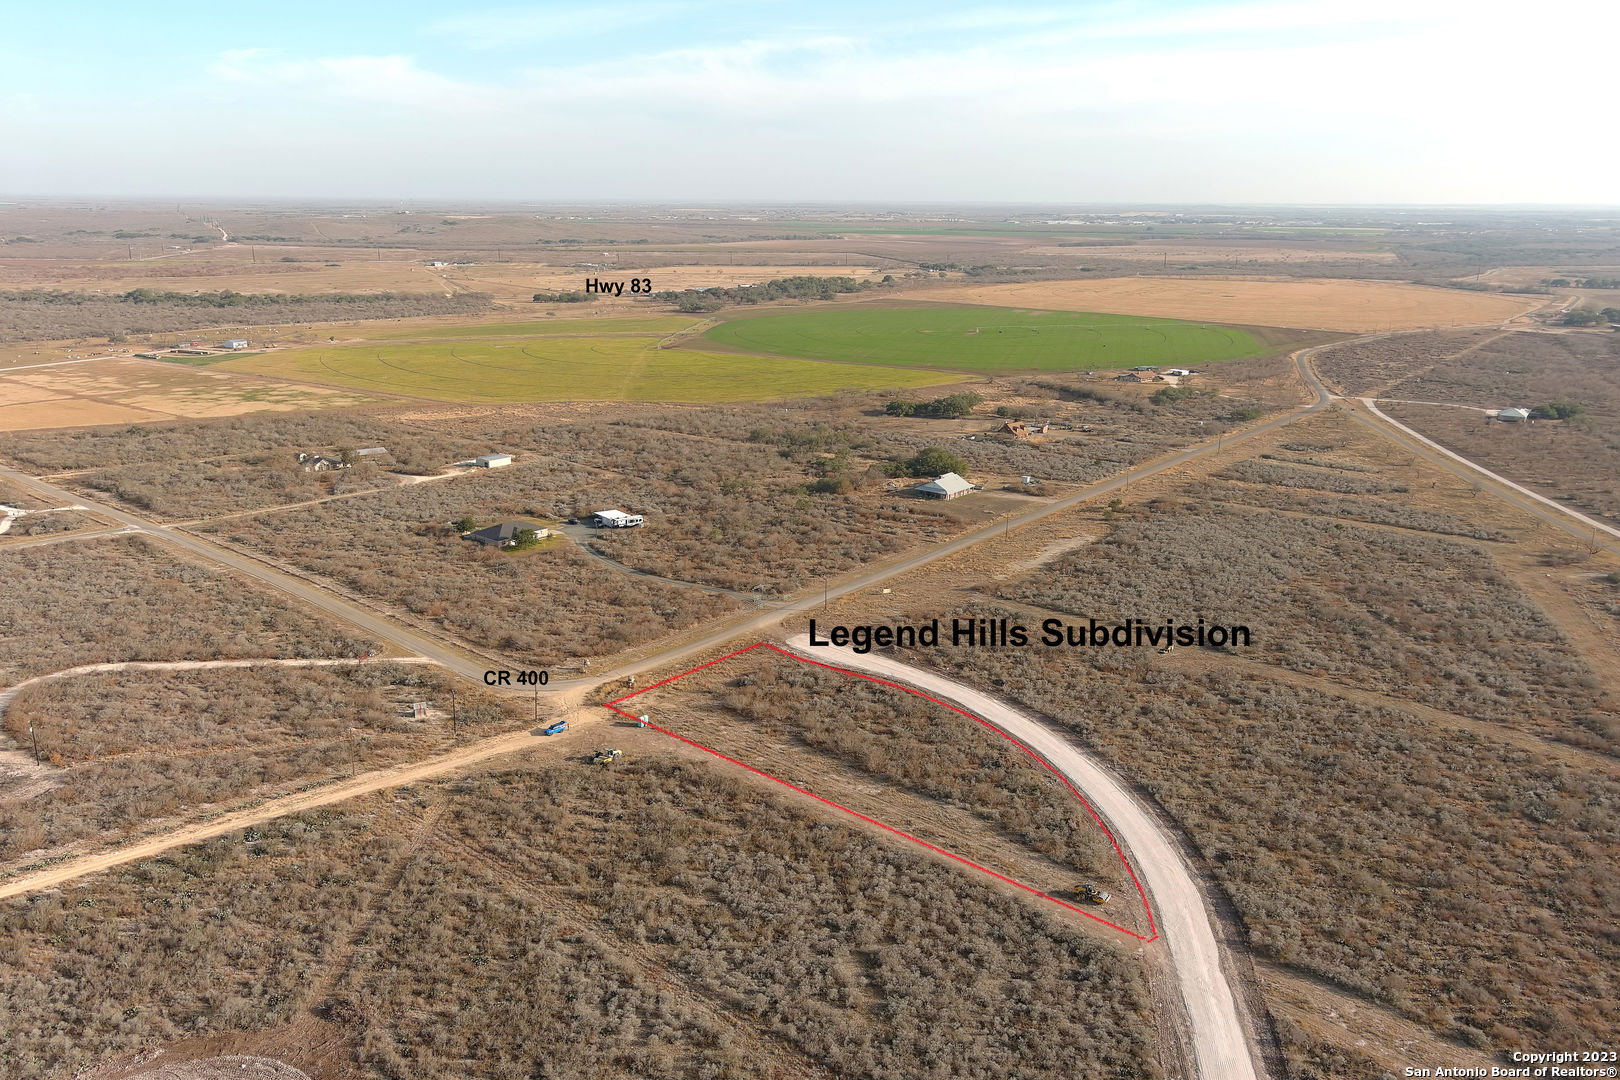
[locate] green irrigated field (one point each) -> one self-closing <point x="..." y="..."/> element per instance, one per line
<point x="651" y="324"/>
<point x="619" y="367"/>
<point x="986" y="339"/>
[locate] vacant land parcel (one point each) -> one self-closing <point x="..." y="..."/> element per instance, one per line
<point x="662" y="919"/>
<point x="985" y="339"/>
<point x="603" y="365"/>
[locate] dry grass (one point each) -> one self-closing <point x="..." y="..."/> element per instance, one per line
<point x="142" y="745"/>
<point x="124" y="598"/>
<point x="1372" y="366"/>
<point x="1436" y="621"/>
<point x="1357" y="306"/>
<point x="1466" y="883"/>
<point x="662" y="920"/>
<point x="1576" y="461"/>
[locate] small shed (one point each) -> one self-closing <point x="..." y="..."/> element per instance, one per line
<point x="492" y="461"/>
<point x="949" y="486"/>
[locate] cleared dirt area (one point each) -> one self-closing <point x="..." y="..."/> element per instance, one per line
<point x="117" y="390"/>
<point x="1358" y="306"/>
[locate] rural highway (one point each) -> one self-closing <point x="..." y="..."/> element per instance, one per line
<point x="1221" y="1045"/>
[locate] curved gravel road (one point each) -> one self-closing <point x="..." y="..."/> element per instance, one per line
<point x="1221" y="1045"/>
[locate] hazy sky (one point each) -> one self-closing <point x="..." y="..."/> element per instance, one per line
<point x="1248" y="101"/>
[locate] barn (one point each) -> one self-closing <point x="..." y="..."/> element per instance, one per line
<point x="949" y="486"/>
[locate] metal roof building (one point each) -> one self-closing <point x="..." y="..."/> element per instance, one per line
<point x="949" y="486"/>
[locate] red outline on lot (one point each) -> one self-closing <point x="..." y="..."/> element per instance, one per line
<point x="614" y="705"/>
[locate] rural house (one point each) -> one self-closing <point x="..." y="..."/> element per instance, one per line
<point x="236" y="343"/>
<point x="504" y="535"/>
<point x="1020" y="429"/>
<point x="949" y="486"/>
<point x="320" y="463"/>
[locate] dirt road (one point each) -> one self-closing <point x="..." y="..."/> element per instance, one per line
<point x="1221" y="1044"/>
<point x="77" y="867"/>
<point x="462" y="661"/>
<point x="1513" y="488"/>
<point x="11" y="692"/>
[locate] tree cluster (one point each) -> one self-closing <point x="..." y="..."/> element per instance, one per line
<point x="949" y="407"/>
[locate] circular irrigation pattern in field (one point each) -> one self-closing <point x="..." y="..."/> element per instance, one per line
<point x="975" y="339"/>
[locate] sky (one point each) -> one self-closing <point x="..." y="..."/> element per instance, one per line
<point x="1216" y="101"/>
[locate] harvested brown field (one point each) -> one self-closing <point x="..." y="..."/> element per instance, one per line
<point x="123" y="390"/>
<point x="663" y="919"/>
<point x="1353" y="306"/>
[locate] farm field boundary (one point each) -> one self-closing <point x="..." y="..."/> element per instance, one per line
<point x="1355" y="306"/>
<point x="985" y="339"/>
<point x="604" y="367"/>
<point x="1032" y="755"/>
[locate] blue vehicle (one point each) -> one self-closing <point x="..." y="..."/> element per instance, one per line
<point x="555" y="729"/>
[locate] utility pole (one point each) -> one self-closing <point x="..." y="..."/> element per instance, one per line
<point x="452" y="712"/>
<point x="35" y="736"/>
<point x="537" y="703"/>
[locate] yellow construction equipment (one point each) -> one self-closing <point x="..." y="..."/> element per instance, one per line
<point x="1091" y="894"/>
<point x="606" y="757"/>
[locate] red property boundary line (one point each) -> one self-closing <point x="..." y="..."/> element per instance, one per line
<point x="1038" y="759"/>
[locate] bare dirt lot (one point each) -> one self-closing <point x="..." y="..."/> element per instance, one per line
<point x="121" y="390"/>
<point x="1358" y="306"/>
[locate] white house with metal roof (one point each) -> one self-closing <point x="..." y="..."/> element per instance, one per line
<point x="949" y="486"/>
